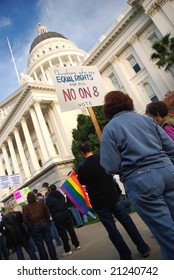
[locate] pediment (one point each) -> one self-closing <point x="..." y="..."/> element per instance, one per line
<point x="7" y="105"/>
<point x="11" y="104"/>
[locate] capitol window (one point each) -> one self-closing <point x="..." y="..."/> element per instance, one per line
<point x="150" y="92"/>
<point x="115" y="81"/>
<point x="136" y="67"/>
<point x="153" y="38"/>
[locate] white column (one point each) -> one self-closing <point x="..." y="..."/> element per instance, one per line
<point x="35" y="76"/>
<point x="3" y="191"/>
<point x="160" y="20"/>
<point x="50" y="63"/>
<point x="30" y="146"/>
<point x="59" y="124"/>
<point x="70" y="60"/>
<point x="139" y="103"/>
<point x="44" y="129"/>
<point x="22" y="154"/>
<point x="60" y="61"/>
<point x="6" y="159"/>
<point x="13" y="155"/>
<point x="43" y="73"/>
<point x="39" y="135"/>
<point x="168" y="9"/>
<point x="78" y="58"/>
<point x="150" y="67"/>
<point x="56" y="122"/>
<point x="2" y="169"/>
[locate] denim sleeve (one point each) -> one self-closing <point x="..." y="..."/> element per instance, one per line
<point x="110" y="158"/>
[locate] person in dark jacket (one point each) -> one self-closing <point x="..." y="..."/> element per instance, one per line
<point x="17" y="236"/>
<point x="62" y="219"/>
<point x="37" y="218"/>
<point x="4" y="251"/>
<point x="104" y="194"/>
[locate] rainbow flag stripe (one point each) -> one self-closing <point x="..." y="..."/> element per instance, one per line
<point x="76" y="193"/>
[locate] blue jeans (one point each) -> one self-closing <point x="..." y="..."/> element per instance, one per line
<point x="152" y="193"/>
<point x="42" y="232"/>
<point x="85" y="217"/>
<point x="28" y="246"/>
<point x="55" y="234"/>
<point x="120" y="213"/>
<point x="76" y="214"/>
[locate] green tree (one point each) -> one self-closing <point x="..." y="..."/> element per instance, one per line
<point x="164" y="52"/>
<point x="85" y="131"/>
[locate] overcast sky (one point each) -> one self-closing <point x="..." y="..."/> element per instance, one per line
<point x="81" y="21"/>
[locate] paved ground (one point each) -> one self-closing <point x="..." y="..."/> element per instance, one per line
<point x="95" y="244"/>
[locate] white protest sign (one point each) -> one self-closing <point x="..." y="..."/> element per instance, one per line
<point x="5" y="181"/>
<point x="78" y="87"/>
<point x="9" y="181"/>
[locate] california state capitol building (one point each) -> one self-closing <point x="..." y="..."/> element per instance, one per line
<point x="35" y="135"/>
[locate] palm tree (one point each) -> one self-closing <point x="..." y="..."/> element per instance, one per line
<point x="164" y="52"/>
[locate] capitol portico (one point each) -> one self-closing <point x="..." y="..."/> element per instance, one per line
<point x="35" y="136"/>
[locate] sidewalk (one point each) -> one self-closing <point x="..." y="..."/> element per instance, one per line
<point x="95" y="244"/>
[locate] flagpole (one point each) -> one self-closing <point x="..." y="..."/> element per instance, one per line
<point x="13" y="60"/>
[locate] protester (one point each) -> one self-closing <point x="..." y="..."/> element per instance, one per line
<point x="54" y="231"/>
<point x="159" y="112"/>
<point x="104" y="198"/>
<point x="37" y="218"/>
<point x="62" y="219"/>
<point x="40" y="197"/>
<point x="12" y="226"/>
<point x="138" y="149"/>
<point x="35" y="191"/>
<point x="4" y="251"/>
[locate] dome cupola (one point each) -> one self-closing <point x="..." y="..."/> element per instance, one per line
<point x="44" y="35"/>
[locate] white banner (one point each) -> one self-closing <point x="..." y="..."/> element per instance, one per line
<point x="78" y="87"/>
<point x="10" y="181"/>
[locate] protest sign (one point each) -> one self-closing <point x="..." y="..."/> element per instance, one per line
<point x="9" y="181"/>
<point x="21" y="195"/>
<point x="78" y="87"/>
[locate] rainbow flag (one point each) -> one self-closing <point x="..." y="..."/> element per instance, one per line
<point x="76" y="193"/>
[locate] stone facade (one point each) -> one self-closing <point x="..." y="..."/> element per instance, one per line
<point x="123" y="56"/>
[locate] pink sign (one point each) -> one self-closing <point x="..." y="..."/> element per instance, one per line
<point x="17" y="195"/>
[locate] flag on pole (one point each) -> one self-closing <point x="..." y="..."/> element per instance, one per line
<point x="76" y="193"/>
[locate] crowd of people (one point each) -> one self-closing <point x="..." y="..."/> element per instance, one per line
<point x="43" y="219"/>
<point x="140" y="150"/>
